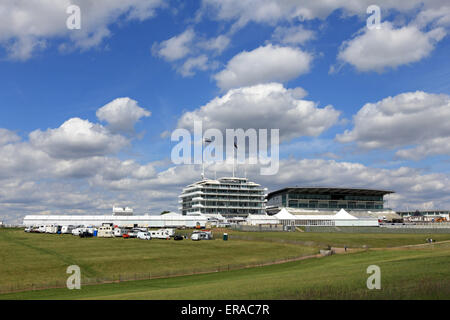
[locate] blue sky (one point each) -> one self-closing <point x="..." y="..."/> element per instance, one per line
<point x="43" y="86"/>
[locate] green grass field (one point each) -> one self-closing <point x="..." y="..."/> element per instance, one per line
<point x="414" y="273"/>
<point x="351" y="240"/>
<point x="42" y="259"/>
<point x="407" y="274"/>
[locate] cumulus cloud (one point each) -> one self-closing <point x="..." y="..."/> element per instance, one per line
<point x="264" y="64"/>
<point x="26" y="25"/>
<point x="7" y="136"/>
<point x="122" y="114"/>
<point x="255" y="106"/>
<point x="77" y="138"/>
<point x="409" y="119"/>
<point x="388" y="47"/>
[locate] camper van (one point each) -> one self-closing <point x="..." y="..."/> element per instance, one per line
<point x="144" y="235"/>
<point x="162" y="233"/>
<point x="105" y="232"/>
<point x="202" y="235"/>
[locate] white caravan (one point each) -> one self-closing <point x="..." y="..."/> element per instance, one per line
<point x="51" y="229"/>
<point x="67" y="229"/>
<point x="202" y="235"/>
<point x="144" y="235"/>
<point x="162" y="233"/>
<point x="118" y="232"/>
<point x="41" y="229"/>
<point x="105" y="232"/>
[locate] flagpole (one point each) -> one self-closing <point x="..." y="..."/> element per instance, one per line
<point x="203" y="160"/>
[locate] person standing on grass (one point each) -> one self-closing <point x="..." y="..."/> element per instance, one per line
<point x="345" y="248"/>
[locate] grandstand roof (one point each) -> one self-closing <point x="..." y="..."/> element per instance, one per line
<point x="326" y="190"/>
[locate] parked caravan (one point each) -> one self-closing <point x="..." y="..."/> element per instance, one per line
<point x="41" y="229"/>
<point x="202" y="235"/>
<point x="67" y="229"/>
<point x="51" y="229"/>
<point x="163" y="233"/>
<point x="105" y="232"/>
<point x="144" y="235"/>
<point x="118" y="232"/>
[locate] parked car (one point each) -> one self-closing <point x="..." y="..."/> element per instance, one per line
<point x="28" y="229"/>
<point x="178" y="237"/>
<point x="125" y="236"/>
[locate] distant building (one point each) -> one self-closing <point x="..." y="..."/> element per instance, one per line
<point x="425" y="215"/>
<point x="119" y="211"/>
<point x="361" y="203"/>
<point x="229" y="197"/>
<point x="172" y="220"/>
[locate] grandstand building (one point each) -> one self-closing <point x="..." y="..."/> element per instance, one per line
<point x="362" y="203"/>
<point x="229" y="197"/>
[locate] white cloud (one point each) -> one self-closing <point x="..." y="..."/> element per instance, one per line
<point x="191" y="64"/>
<point x="293" y="35"/>
<point x="122" y="114"/>
<point x="253" y="107"/>
<point x="7" y="136"/>
<point x="408" y="119"/>
<point x="77" y="138"/>
<point x="274" y="11"/>
<point x="262" y="65"/>
<point x="217" y="44"/>
<point x="26" y="25"/>
<point x="388" y="47"/>
<point x="194" y="49"/>
<point x="176" y="47"/>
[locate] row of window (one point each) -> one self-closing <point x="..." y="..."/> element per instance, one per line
<point x="334" y="205"/>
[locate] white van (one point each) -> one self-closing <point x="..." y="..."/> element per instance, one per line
<point x="144" y="235"/>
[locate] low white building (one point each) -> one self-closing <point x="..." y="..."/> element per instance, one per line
<point x="340" y="219"/>
<point x="256" y="219"/>
<point x="168" y="220"/>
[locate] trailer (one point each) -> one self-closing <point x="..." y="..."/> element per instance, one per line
<point x="162" y="233"/>
<point x="67" y="229"/>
